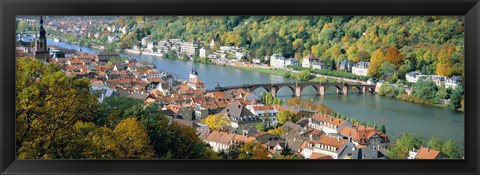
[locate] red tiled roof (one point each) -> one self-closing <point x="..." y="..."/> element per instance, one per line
<point x="426" y="153"/>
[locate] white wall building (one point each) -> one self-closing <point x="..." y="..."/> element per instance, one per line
<point x="361" y="68"/>
<point x="277" y="61"/>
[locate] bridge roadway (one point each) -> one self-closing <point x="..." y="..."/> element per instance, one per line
<point x="297" y="87"/>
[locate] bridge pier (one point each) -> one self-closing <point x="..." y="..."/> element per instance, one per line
<point x="298" y="91"/>
<point x="274" y="91"/>
<point x="364" y="90"/>
<point x="345" y="90"/>
<point x="321" y="90"/>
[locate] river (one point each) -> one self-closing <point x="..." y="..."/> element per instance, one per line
<point x="398" y="116"/>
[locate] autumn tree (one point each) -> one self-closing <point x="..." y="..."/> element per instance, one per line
<point x="217" y="121"/>
<point x="48" y="104"/>
<point x="394" y="56"/>
<point x="134" y="140"/>
<point x="253" y="150"/>
<point x="375" y="62"/>
<point x="276" y="131"/>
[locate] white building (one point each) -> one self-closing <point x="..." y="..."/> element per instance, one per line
<point x="256" y="61"/>
<point x="222" y="140"/>
<point x="319" y="65"/>
<point x="453" y="82"/>
<point x="308" y="61"/>
<point x="203" y="52"/>
<point x="277" y="61"/>
<point x="240" y="55"/>
<point x="361" y="68"/>
<point x="292" y="61"/>
<point x="188" y="47"/>
<point x="412" y="77"/>
<point x="151" y="45"/>
<point x="327" y="145"/>
<point x="265" y="113"/>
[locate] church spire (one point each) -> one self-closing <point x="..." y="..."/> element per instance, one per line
<point x="41" y="51"/>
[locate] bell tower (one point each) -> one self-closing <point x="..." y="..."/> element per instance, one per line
<point x="41" y="51"/>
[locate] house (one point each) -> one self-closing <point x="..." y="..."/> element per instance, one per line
<point x="344" y="65"/>
<point x="453" y="82"/>
<point x="240" y="116"/>
<point x="327" y="124"/>
<point x="365" y="136"/>
<point x="291" y="62"/>
<point x="327" y="145"/>
<point x="101" y="91"/>
<point x="267" y="113"/>
<point x="240" y="55"/>
<point x="413" y="76"/>
<point x="319" y="65"/>
<point x="361" y="68"/>
<point x="151" y="46"/>
<point x="203" y="52"/>
<point x="212" y="42"/>
<point x="138" y="95"/>
<point x="256" y="61"/>
<point x="220" y="140"/>
<point x="426" y="153"/>
<point x="105" y="56"/>
<point x="308" y="60"/>
<point x="272" y="142"/>
<point x="200" y="112"/>
<point x="277" y="61"/>
<point x="188" y="48"/>
<point x="352" y="152"/>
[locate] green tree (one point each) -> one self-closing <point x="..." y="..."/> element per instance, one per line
<point x="425" y="89"/>
<point x="304" y="75"/>
<point x="260" y="127"/>
<point x="284" y="116"/>
<point x="405" y="143"/>
<point x="386" y="71"/>
<point x="456" y="97"/>
<point x="450" y="149"/>
<point x="435" y="143"/>
<point x="383" y="129"/>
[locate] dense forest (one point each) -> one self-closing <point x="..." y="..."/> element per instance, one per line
<point x="432" y="44"/>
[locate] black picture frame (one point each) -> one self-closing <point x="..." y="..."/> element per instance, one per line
<point x="9" y="9"/>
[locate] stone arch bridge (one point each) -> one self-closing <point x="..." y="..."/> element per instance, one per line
<point x="297" y="87"/>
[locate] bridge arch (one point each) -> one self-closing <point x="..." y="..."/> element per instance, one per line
<point x="280" y="87"/>
<point x="316" y="88"/>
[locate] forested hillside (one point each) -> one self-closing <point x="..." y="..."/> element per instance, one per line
<point x="432" y="44"/>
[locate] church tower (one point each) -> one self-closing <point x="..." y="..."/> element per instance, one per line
<point x="193" y="74"/>
<point x="41" y="51"/>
